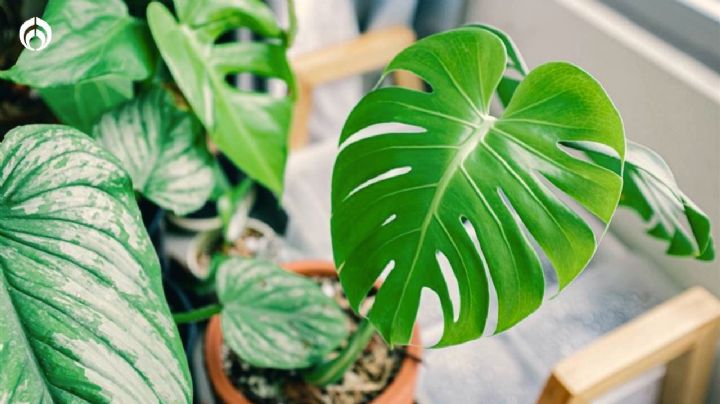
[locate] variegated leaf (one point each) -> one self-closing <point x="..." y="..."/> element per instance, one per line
<point x="82" y="313"/>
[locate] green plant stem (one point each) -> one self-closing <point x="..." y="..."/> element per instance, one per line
<point x="200" y="314"/>
<point x="333" y="370"/>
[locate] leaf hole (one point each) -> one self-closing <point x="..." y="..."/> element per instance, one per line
<point x="549" y="275"/>
<point x="430" y="306"/>
<point x="392" y="173"/>
<point x="596" y="225"/>
<point x="407" y="79"/>
<point x="492" y="316"/>
<point x="379" y="129"/>
<point x="389" y="220"/>
<point x="580" y="150"/>
<point x="451" y="282"/>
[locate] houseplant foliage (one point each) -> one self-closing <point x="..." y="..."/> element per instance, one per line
<point x="651" y="190"/>
<point x="162" y="149"/>
<point x="84" y="316"/>
<point x="467" y="166"/>
<point x="649" y="187"/>
<point x="405" y="201"/>
<point x="256" y="140"/>
<point x="273" y="318"/>
<point x="103" y="51"/>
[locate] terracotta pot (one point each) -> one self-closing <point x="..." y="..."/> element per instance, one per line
<point x="400" y="391"/>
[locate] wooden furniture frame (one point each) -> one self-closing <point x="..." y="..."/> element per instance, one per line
<point x="368" y="52"/>
<point x="681" y="333"/>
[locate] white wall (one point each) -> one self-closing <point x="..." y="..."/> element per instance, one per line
<point x="668" y="101"/>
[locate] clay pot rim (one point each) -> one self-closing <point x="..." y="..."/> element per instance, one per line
<point x="402" y="385"/>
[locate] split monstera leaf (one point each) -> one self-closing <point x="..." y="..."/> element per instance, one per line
<point x="251" y="128"/>
<point x="83" y="312"/>
<point x="450" y="196"/>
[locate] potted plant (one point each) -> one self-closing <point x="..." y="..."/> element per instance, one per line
<point x="454" y="195"/>
<point x="283" y="337"/>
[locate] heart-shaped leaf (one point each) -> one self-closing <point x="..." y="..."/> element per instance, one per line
<point x="250" y="128"/>
<point x="82" y="312"/>
<point x="275" y="319"/>
<point x="409" y="200"/>
<point x="90" y="39"/>
<point x="162" y="148"/>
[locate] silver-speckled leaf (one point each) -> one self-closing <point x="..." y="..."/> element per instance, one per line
<point x="82" y="311"/>
<point x="162" y="149"/>
<point x="273" y="318"/>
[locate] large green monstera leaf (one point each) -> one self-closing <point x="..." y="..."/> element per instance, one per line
<point x="162" y="148"/>
<point x="90" y="39"/>
<point x="276" y="319"/>
<point x="82" y="312"/>
<point x="250" y="128"/>
<point x="460" y="197"/>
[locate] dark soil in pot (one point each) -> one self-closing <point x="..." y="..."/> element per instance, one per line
<point x="372" y="372"/>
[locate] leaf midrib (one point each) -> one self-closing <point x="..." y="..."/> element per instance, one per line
<point x="470" y="144"/>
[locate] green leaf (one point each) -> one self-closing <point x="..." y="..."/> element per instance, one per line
<point x="81" y="105"/>
<point x="403" y="200"/>
<point x="650" y="190"/>
<point x="515" y="70"/>
<point x="90" y="39"/>
<point x="162" y="148"/>
<point x="648" y="184"/>
<point x="275" y="319"/>
<point x="250" y="128"/>
<point x="82" y="312"/>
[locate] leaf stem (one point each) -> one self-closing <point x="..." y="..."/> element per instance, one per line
<point x="333" y="370"/>
<point x="203" y="313"/>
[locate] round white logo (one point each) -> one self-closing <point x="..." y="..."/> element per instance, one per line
<point x="35" y="28"/>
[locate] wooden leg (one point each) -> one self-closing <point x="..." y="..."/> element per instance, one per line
<point x="688" y="376"/>
<point x="299" y="132"/>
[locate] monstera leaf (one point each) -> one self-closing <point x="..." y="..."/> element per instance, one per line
<point x="90" y="39"/>
<point x="162" y="149"/>
<point x="83" y="316"/>
<point x="250" y="128"/>
<point x="459" y="196"/>
<point x="273" y="318"/>
<point x="515" y="69"/>
<point x="650" y="190"/>
<point x="649" y="187"/>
